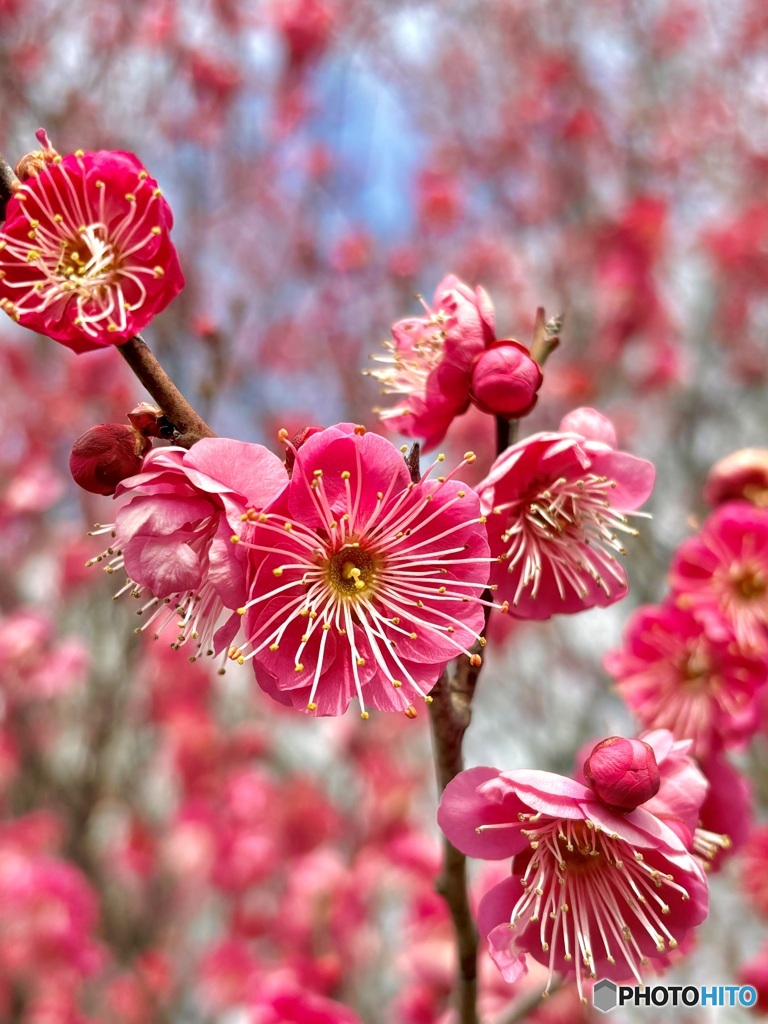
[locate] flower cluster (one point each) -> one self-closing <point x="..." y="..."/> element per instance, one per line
<point x="698" y="662"/>
<point x="352" y="579"/>
<point x="449" y="358"/>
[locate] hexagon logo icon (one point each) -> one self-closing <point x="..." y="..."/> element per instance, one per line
<point x="604" y="995"/>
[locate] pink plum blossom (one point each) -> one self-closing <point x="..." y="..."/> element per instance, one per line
<point x="33" y="665"/>
<point x="721" y="574"/>
<point x="593" y="892"/>
<point x="361" y="582"/>
<point x="431" y="360"/>
<point x="85" y="251"/>
<point x="173" y="535"/>
<point x="556" y="503"/>
<point x="676" y="674"/>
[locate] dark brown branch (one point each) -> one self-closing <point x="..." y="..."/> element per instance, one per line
<point x="190" y="427"/>
<point x="8" y="184"/>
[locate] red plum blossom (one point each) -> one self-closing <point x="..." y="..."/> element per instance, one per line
<point x="593" y="892"/>
<point x="721" y="574"/>
<point x="556" y="503"/>
<point x="674" y="673"/>
<point x="361" y="582"/>
<point x="85" y="251"/>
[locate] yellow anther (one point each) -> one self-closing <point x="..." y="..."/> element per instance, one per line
<point x="311" y="706"/>
<point x="235" y="539"/>
<point x="274" y="647"/>
<point x="470" y="457"/>
<point x="277" y="572"/>
<point x="428" y="699"/>
<point x="364" y="715"/>
<point x="396" y="683"/>
<point x="298" y="668"/>
<point x="346" y="475"/>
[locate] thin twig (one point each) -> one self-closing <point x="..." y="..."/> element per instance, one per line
<point x="190" y="426"/>
<point x="545" y="335"/>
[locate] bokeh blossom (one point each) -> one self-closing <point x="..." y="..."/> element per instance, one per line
<point x="721" y="574"/>
<point x="556" y="505"/>
<point x="85" y="251"/>
<point x="741" y="474"/>
<point x="361" y="582"/>
<point x="674" y="674"/>
<point x="593" y="892"/>
<point x="173" y="534"/>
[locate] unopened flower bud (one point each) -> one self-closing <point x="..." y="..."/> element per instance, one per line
<point x="622" y="773"/>
<point x="105" y="455"/>
<point x="505" y="380"/>
<point x="742" y="475"/>
<point x="292" y="446"/>
<point x="147" y="419"/>
<point x="39" y="160"/>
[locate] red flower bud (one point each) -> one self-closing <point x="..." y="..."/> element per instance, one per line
<point x="742" y="475"/>
<point x="505" y="380"/>
<point x="292" y="446"/>
<point x="105" y="455"/>
<point x="622" y="773"/>
<point x="146" y="419"/>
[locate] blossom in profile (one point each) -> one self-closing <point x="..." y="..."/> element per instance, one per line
<point x="430" y="361"/>
<point x="85" y="252"/>
<point x="721" y="574"/>
<point x="361" y="583"/>
<point x="557" y="505"/>
<point x="594" y="892"/>
<point x="675" y="674"/>
<point x="173" y="535"/>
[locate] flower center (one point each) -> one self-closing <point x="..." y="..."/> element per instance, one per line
<point x="748" y="583"/>
<point x="697" y="665"/>
<point x="351" y="571"/>
<point x="90" y="258"/>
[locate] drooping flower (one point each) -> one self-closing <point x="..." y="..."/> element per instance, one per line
<point x="674" y="674"/>
<point x="173" y="535"/>
<point x="721" y="574"/>
<point x="593" y="892"/>
<point x="85" y="251"/>
<point x="361" y="582"/>
<point x="556" y="504"/>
